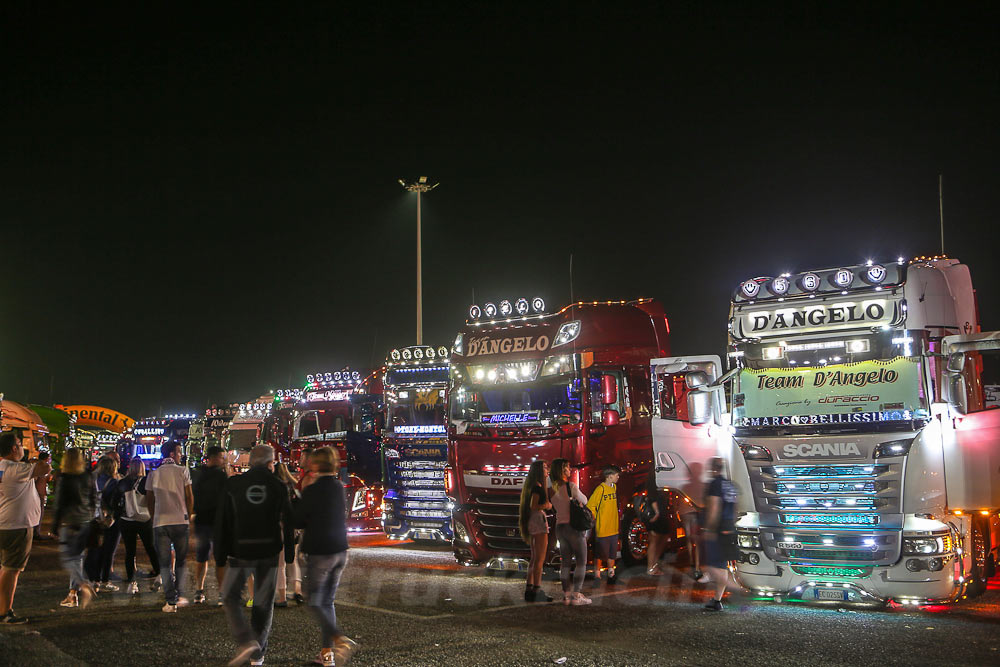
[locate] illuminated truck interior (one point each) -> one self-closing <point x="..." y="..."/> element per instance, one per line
<point x="811" y="381"/>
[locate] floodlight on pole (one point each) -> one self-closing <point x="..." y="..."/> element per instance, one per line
<point x="420" y="186"/>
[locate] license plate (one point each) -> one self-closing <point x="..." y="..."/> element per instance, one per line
<point x="513" y="565"/>
<point x="831" y="594"/>
<point x="789" y="545"/>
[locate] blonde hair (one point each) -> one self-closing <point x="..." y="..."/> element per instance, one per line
<point x="326" y="459"/>
<point x="73" y="462"/>
<point x="136" y="467"/>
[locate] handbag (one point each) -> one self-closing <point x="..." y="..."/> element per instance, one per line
<point x="580" y="516"/>
<point x="646" y="511"/>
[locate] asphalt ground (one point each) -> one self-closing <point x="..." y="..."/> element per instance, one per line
<point x="410" y="604"/>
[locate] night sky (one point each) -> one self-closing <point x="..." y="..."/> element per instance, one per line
<point x="197" y="208"/>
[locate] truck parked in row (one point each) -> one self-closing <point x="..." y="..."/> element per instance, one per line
<point x="415" y="444"/>
<point x="527" y="384"/>
<point x="854" y="422"/>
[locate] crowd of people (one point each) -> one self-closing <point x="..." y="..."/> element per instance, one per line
<point x="267" y="531"/>
<point x="707" y="512"/>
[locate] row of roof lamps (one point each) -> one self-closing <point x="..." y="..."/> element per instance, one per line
<point x="338" y="376"/>
<point x="418" y="353"/>
<point x="870" y="275"/>
<point x="520" y="308"/>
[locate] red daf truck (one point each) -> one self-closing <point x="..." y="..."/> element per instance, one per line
<point x="338" y="410"/>
<point x="525" y="385"/>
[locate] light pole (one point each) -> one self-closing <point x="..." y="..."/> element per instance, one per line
<point x="420" y="187"/>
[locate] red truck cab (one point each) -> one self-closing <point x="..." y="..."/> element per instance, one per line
<point x="527" y="385"/>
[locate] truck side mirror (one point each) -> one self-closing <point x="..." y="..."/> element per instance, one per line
<point x="699" y="405"/>
<point x="957" y="395"/>
<point x="609" y="389"/>
<point x="610" y="417"/>
<point x="956" y="362"/>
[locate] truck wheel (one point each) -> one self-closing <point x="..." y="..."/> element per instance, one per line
<point x="635" y="540"/>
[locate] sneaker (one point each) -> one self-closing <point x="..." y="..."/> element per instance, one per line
<point x="567" y="599"/>
<point x="250" y="603"/>
<point x="71" y="600"/>
<point x="654" y="571"/>
<point x="281" y="604"/>
<point x="326" y="658"/>
<point x="343" y="649"/>
<point x="169" y="608"/>
<point x="580" y="599"/>
<point x="529" y="595"/>
<point x="299" y="599"/>
<point x="155" y="583"/>
<point x="613" y="579"/>
<point x="199" y="596"/>
<point x="714" y="605"/>
<point x="703" y="578"/>
<point x="218" y="603"/>
<point x="10" y="618"/>
<point x="108" y="586"/>
<point x="256" y="662"/>
<point x="244" y="654"/>
<point x="87" y="595"/>
<point x="183" y="602"/>
<point x="133" y="588"/>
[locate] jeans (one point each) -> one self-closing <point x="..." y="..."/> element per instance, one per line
<point x="323" y="572"/>
<point x="143" y="531"/>
<point x="109" y="546"/>
<point x="572" y="544"/>
<point x="265" y="572"/>
<point x="72" y="542"/>
<point x="173" y="578"/>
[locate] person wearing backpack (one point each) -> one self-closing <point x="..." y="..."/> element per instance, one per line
<point x="565" y="496"/>
<point x="136" y="522"/>
<point x="719" y="531"/>
<point x="604" y="504"/>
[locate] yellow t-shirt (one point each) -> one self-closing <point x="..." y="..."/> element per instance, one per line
<point x="604" y="504"/>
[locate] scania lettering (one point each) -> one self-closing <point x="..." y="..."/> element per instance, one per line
<point x="890" y="493"/>
<point x="415" y="444"/>
<point x="527" y="384"/>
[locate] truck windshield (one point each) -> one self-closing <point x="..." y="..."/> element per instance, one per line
<point x="242" y="439"/>
<point x="865" y="383"/>
<point x="554" y="399"/>
<point x="417" y="407"/>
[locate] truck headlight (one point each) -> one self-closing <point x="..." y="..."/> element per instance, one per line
<point x="748" y="541"/>
<point x="756" y="453"/>
<point x="461" y="534"/>
<point x="923" y="545"/>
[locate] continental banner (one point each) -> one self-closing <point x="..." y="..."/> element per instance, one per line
<point x="858" y="392"/>
<point x="93" y="415"/>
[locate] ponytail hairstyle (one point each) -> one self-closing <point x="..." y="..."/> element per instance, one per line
<point x="536" y="476"/>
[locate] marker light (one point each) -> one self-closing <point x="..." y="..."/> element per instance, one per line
<point x="418" y="353"/>
<point x="356" y="375"/>
<point x="394" y="355"/>
<point x="336" y="376"/>
<point x="841" y="278"/>
<point x="309" y="378"/>
<point x="430" y="353"/>
<point x="538" y="304"/>
<point x="442" y="351"/>
<point x="475" y="312"/>
<point x="809" y="282"/>
<point x="490" y="309"/>
<point x="773" y="353"/>
<point x="521" y="306"/>
<point x="875" y="274"/>
<point x="568" y="332"/>
<point x="858" y="346"/>
<point x="457" y="345"/>
<point x="505" y="308"/>
<point x="778" y="286"/>
<point x="407" y="354"/>
<point x="750" y="288"/>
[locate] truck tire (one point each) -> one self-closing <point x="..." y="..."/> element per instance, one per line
<point x="634" y="539"/>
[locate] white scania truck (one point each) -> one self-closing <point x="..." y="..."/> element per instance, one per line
<point x="855" y="423"/>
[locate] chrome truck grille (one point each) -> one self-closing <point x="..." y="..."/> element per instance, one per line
<point x="496" y="513"/>
<point x="422" y="489"/>
<point x="829" y="513"/>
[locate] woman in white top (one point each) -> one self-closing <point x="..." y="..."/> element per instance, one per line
<point x="572" y="542"/>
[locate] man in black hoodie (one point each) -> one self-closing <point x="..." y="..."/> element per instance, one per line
<point x="253" y="524"/>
